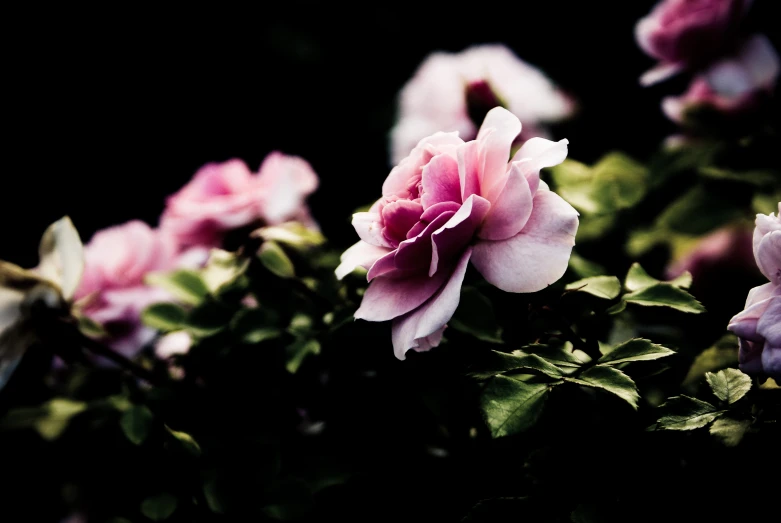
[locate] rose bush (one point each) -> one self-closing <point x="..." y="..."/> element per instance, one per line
<point x="450" y="202"/>
<point x="226" y="196"/>
<point x="450" y="89"/>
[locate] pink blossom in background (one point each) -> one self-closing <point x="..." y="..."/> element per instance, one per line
<point x="759" y="325"/>
<point x="688" y="34"/>
<point x="451" y="202"/>
<point x="112" y="291"/>
<point x="735" y="85"/>
<point x="448" y="86"/>
<point x="722" y="251"/>
<point x="226" y="196"/>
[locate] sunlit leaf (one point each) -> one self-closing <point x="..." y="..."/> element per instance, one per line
<point x="185" y="441"/>
<point x="637" y="349"/>
<point x="606" y="287"/>
<point x="164" y="317"/>
<point x="666" y="295"/>
<point x="686" y="413"/>
<point x="511" y="406"/>
<point x="186" y="285"/>
<point x="275" y="260"/>
<point x="729" y="385"/>
<point x="729" y="431"/>
<point x="611" y="380"/>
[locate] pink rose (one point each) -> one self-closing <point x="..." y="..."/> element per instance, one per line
<point x="450" y="202"/>
<point x="112" y="291"/>
<point x="226" y="196"/>
<point x="453" y="92"/>
<point x="759" y="325"/>
<point x="759" y="330"/>
<point x="688" y="33"/>
<point x="767" y="245"/>
<point x="735" y="85"/>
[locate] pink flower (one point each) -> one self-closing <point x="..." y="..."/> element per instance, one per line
<point x="688" y="33"/>
<point x="735" y="85"/>
<point x="112" y="291"/>
<point x="767" y="245"/>
<point x="759" y="325"/>
<point x="226" y="196"/>
<point x="450" y="202"/>
<point x="724" y="250"/>
<point x="453" y="92"/>
<point x="759" y="330"/>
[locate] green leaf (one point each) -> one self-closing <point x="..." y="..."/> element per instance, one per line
<point x="637" y="349"/>
<point x="585" y="268"/>
<point x="255" y="325"/>
<point x="59" y="412"/>
<point x="186" y="285"/>
<point x="699" y="211"/>
<point x="511" y="406"/>
<point x="666" y="295"/>
<point x="611" y="380"/>
<point x="136" y="423"/>
<point x="90" y="327"/>
<point x="619" y="182"/>
<point x="722" y="355"/>
<point x="729" y="431"/>
<point x="617" y="308"/>
<point x="756" y="177"/>
<point x="214" y="493"/>
<point x="294" y="234"/>
<point x="208" y="319"/>
<point x="560" y="356"/>
<point x="606" y="287"/>
<point x="164" y="317"/>
<point x="275" y="260"/>
<point x="475" y="316"/>
<point x="223" y="269"/>
<point x="499" y="362"/>
<point x="159" y="508"/>
<point x="297" y="351"/>
<point x="185" y="441"/>
<point x="729" y="384"/>
<point x="637" y="278"/>
<point x="686" y="413"/>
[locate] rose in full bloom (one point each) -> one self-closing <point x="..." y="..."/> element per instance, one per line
<point x="451" y="202"/>
<point x="689" y="34"/>
<point x="226" y="196"/>
<point x="453" y="92"/>
<point x="759" y="325"/>
<point x="112" y="291"/>
<point x="736" y="85"/>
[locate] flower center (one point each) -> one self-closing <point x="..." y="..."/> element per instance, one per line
<point x="481" y="98"/>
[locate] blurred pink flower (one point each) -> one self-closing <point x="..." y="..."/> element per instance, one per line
<point x="451" y="91"/>
<point x="759" y="325"/>
<point x="112" y="291"/>
<point x="450" y="202"/>
<point x="686" y="34"/>
<point x="735" y="85"/>
<point x="726" y="249"/>
<point x="226" y="196"/>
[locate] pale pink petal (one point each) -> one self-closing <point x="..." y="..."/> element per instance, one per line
<point x="511" y="210"/>
<point x="542" y="153"/>
<point x="449" y="240"/>
<point x="496" y="136"/>
<point x="286" y="181"/>
<point x="422" y="328"/>
<point x="361" y="254"/>
<point x="397" y="180"/>
<point x="660" y="72"/>
<point x="387" y="298"/>
<point x="538" y="255"/>
<point x="440" y="181"/>
<point x="368" y="225"/>
<point x="386" y="264"/>
<point x="769" y="325"/>
<point x="771" y="360"/>
<point x="415" y="253"/>
<point x="768" y="256"/>
<point x="468" y="169"/>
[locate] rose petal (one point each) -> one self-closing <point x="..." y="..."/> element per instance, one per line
<point x="415" y="253"/>
<point x="538" y="255"/>
<point x="660" y="72"/>
<point x="749" y="356"/>
<point x="453" y="236"/>
<point x="771" y="360"/>
<point x="440" y="181"/>
<point x="468" y="169"/>
<point x="62" y="256"/>
<point x="542" y="153"/>
<point x="361" y="254"/>
<point x="384" y="265"/>
<point x="399" y="217"/>
<point x="769" y="324"/>
<point x="368" y="225"/>
<point x="511" y="210"/>
<point x="397" y="180"/>
<point x="387" y="298"/>
<point x="496" y="136"/>
<point x="287" y="181"/>
<point x="422" y="328"/>
<point x="768" y="256"/>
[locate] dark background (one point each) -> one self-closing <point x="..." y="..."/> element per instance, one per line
<point x="109" y="112"/>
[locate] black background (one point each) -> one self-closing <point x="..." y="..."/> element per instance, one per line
<point x="108" y="112"/>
